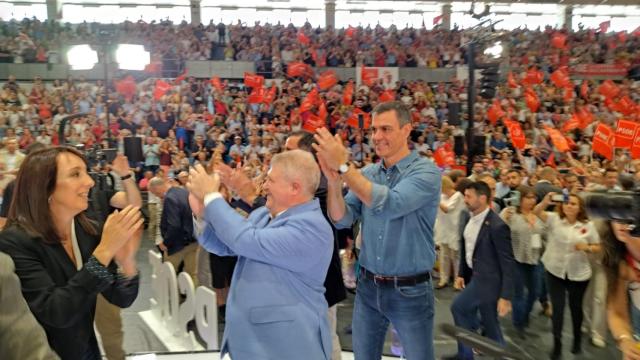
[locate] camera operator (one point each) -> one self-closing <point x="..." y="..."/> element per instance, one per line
<point x="63" y="259"/>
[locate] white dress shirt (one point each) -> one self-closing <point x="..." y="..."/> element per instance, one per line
<point x="470" y="233"/>
<point x="561" y="258"/>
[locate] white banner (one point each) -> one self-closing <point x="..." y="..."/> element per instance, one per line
<point x="389" y="75"/>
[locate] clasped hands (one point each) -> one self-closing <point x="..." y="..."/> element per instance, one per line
<point x="331" y="153"/>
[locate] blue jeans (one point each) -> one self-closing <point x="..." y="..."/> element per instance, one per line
<point x="525" y="278"/>
<point x="466" y="308"/>
<point x="543" y="295"/>
<point x="408" y="308"/>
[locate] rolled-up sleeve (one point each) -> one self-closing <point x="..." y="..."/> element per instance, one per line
<point x="352" y="211"/>
<point x="408" y="195"/>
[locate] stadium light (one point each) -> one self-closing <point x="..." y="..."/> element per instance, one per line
<point x="82" y="57"/>
<point x="494" y="51"/>
<point x="132" y="57"/>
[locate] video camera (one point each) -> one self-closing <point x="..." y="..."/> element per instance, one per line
<point x="621" y="206"/>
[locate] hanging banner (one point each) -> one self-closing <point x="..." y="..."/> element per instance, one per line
<point x="599" y="70"/>
<point x="389" y="75"/>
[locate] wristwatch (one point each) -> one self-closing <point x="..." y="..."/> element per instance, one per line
<point x="123" y="178"/>
<point x="344" y="168"/>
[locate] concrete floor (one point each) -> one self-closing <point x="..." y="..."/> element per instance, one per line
<point x="538" y="342"/>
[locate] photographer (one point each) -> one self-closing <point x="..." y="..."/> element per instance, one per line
<point x="621" y="254"/>
<point x="64" y="259"/>
<point x="570" y="237"/>
<point x="526" y="233"/>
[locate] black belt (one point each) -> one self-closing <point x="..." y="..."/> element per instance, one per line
<point x="395" y="280"/>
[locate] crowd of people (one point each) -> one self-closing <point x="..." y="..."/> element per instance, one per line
<point x="274" y="46"/>
<point x="212" y="154"/>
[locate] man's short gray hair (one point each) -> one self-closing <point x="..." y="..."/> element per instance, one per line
<point x="156" y="181"/>
<point x="402" y="112"/>
<point x="301" y="166"/>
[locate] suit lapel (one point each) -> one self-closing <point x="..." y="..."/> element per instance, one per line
<point x="484" y="231"/>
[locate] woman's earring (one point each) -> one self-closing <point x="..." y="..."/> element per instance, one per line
<point x="49" y="200"/>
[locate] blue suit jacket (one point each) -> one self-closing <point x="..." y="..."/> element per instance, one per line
<point x="493" y="262"/>
<point x="276" y="307"/>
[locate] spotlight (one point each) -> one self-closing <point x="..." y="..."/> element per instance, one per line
<point x="82" y="57"/>
<point x="132" y="57"/>
<point x="494" y="51"/>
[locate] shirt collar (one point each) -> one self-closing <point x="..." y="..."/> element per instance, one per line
<point x="401" y="165"/>
<point x="480" y="216"/>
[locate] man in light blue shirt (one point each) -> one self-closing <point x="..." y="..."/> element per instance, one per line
<point x="396" y="202"/>
<point x="276" y="307"/>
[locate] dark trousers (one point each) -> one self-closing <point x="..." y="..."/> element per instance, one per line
<point x="558" y="289"/>
<point x="525" y="292"/>
<point x="465" y="310"/>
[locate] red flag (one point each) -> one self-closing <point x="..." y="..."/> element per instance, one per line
<point x="322" y="111"/>
<point x="559" y="40"/>
<point x="636" y="32"/>
<point x="313" y="123"/>
<point x="625" y="132"/>
<point x="495" y="112"/>
<point x="444" y="157"/>
<point x="635" y="147"/>
<point x="558" y="140"/>
<point x="270" y="95"/>
<point x="622" y="37"/>
<point x="511" y="81"/>
<point x="216" y="83"/>
<point x="561" y="78"/>
<point x="350" y="31"/>
<point x="515" y="133"/>
<point x="181" y="77"/>
<point x="603" y="140"/>
<point x="256" y="96"/>
<point x="533" y="76"/>
<point x="161" y="88"/>
<point x="609" y="89"/>
<point x="585" y="116"/>
<point x="252" y="80"/>
<point x="368" y="75"/>
<point x="571" y="124"/>
<point x="584" y="89"/>
<point x="532" y="101"/>
<point x="327" y="80"/>
<point x="354" y="120"/>
<point x="302" y="38"/>
<point x="571" y="143"/>
<point x="347" y="96"/>
<point x="626" y="106"/>
<point x="568" y="94"/>
<point x="310" y="100"/>
<point x="386" y="96"/>
<point x="437" y="19"/>
<point x="126" y="87"/>
<point x="551" y="161"/>
<point x="604" y="26"/>
<point x="296" y="68"/>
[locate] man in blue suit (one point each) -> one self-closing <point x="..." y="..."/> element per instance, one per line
<point x="276" y="307"/>
<point x="486" y="269"/>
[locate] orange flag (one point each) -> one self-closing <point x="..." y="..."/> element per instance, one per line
<point x="327" y="79"/>
<point x="347" y="96"/>
<point x="558" y="140"/>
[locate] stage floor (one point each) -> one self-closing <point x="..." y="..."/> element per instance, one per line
<point x="538" y="343"/>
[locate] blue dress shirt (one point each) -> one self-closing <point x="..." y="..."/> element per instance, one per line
<point x="397" y="230"/>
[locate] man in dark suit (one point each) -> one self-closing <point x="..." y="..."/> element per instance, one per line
<point x="546" y="185"/>
<point x="176" y="226"/>
<point x="486" y="269"/>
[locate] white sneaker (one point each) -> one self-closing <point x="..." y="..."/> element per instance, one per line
<point x="598" y="341"/>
